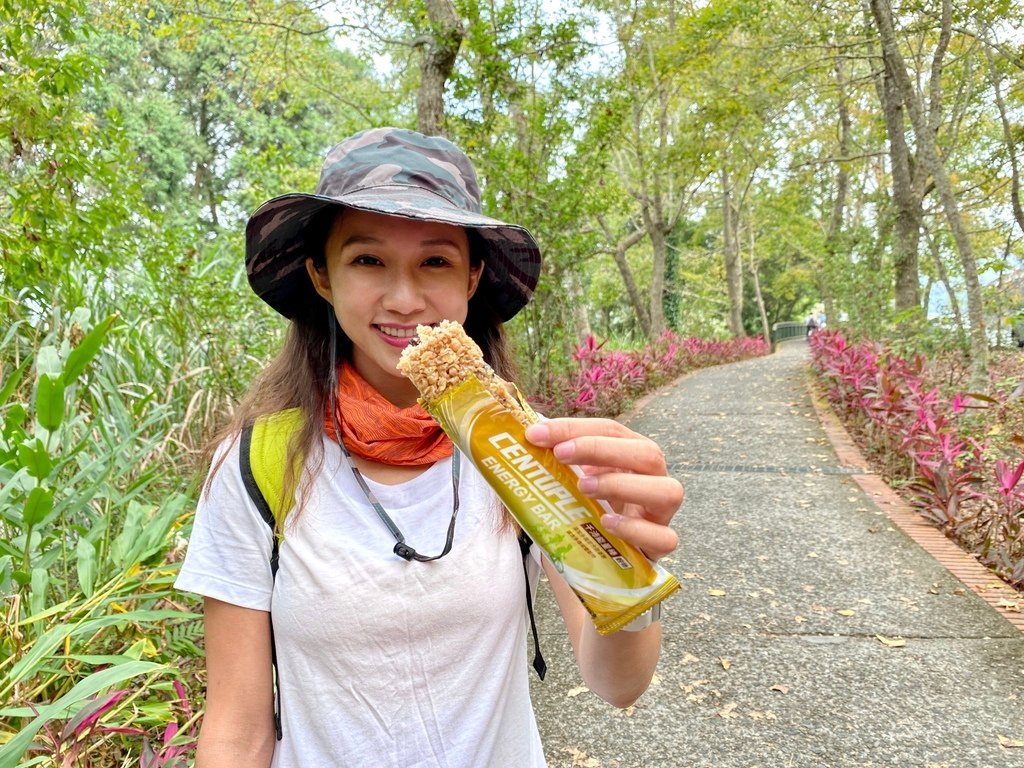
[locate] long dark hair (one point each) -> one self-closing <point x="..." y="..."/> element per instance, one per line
<point x="299" y="375"/>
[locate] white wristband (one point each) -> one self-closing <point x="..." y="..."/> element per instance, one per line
<point x="644" y="620"/>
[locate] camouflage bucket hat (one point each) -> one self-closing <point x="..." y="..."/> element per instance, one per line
<point x="396" y="172"/>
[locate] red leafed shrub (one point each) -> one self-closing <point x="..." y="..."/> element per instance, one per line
<point x="914" y="433"/>
<point x="607" y="381"/>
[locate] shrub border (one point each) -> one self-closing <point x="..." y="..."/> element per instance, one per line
<point x="979" y="579"/>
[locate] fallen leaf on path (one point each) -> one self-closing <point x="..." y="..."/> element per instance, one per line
<point x="756" y="715"/>
<point x="799" y="619"/>
<point x="728" y="711"/>
<point x="693" y="685"/>
<point x="1009" y="743"/>
<point x="580" y="758"/>
<point x="717" y="592"/>
<point x="891" y="642"/>
<point x="847" y="612"/>
<point x="780" y="688"/>
<point x="689" y="659"/>
<point x="574" y="692"/>
<point x="725" y="663"/>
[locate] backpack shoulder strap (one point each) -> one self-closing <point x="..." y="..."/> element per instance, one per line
<point x="263" y="453"/>
<point x="539" y="665"/>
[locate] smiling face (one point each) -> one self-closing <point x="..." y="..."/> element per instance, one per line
<point x="384" y="275"/>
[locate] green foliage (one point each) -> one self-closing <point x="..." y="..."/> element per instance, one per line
<point x="68" y="186"/>
<point x="87" y="520"/>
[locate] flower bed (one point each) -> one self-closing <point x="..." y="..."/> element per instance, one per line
<point x="607" y="381"/>
<point x="962" y="473"/>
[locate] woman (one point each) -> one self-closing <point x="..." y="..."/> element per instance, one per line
<point x="418" y="659"/>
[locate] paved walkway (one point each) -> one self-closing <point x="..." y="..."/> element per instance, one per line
<point x="810" y="632"/>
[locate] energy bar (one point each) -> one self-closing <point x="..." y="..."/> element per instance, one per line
<point x="487" y="418"/>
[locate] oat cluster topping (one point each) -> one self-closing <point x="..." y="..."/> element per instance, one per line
<point x="446" y="356"/>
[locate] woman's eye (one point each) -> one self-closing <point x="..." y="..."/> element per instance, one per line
<point x="365" y="258"/>
<point x="436" y="261"/>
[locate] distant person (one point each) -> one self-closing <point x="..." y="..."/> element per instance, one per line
<point x="386" y="656"/>
<point x="1017" y="333"/>
<point x="812" y="324"/>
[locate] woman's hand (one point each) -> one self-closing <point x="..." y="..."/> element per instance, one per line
<point x="625" y="469"/>
<point x="628" y="471"/>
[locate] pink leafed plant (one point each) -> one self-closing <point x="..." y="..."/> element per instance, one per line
<point x="607" y="381"/>
<point x="916" y="434"/>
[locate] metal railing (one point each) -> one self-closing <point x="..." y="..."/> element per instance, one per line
<point x="788" y="330"/>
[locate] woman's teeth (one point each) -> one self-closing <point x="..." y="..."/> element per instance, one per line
<point x="398" y="333"/>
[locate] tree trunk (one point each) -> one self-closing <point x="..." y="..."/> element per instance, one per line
<point x="657" y="299"/>
<point x="636" y="299"/>
<point x="436" y="66"/>
<point x="1011" y="148"/>
<point x="203" y="186"/>
<point x="766" y="330"/>
<point x="580" y="318"/>
<point x="733" y="261"/>
<point x="940" y="268"/>
<point x="924" y="131"/>
<point x="842" y="186"/>
<point x="907" y="191"/>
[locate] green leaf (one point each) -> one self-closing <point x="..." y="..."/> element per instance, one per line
<point x="40" y="583"/>
<point x="48" y="362"/>
<point x="12" y="752"/>
<point x="129" y="543"/>
<point x="33" y="456"/>
<point x="10" y="383"/>
<point x="14" y="420"/>
<point x="6" y="574"/>
<point x="85" y="562"/>
<point x="37" y="506"/>
<point x="86" y="350"/>
<point x="50" y="402"/>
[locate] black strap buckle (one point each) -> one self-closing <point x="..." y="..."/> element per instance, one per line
<point x="404" y="551"/>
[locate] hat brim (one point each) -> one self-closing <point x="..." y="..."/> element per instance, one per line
<point x="280" y="236"/>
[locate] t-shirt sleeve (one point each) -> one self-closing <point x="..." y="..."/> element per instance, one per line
<point x="228" y="555"/>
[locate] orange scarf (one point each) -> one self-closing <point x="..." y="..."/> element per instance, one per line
<point x="374" y="428"/>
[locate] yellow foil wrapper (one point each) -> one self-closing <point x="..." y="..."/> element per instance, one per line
<point x="613" y="579"/>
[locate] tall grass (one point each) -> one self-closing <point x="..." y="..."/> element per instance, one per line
<point x="95" y="465"/>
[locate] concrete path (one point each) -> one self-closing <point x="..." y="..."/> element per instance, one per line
<point x="809" y="631"/>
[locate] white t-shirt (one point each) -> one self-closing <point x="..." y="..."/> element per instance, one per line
<point x="382" y="662"/>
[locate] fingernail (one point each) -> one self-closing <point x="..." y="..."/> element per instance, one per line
<point x="610" y="520"/>
<point x="565" y="451"/>
<point x="538" y="433"/>
<point x="588" y="484"/>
